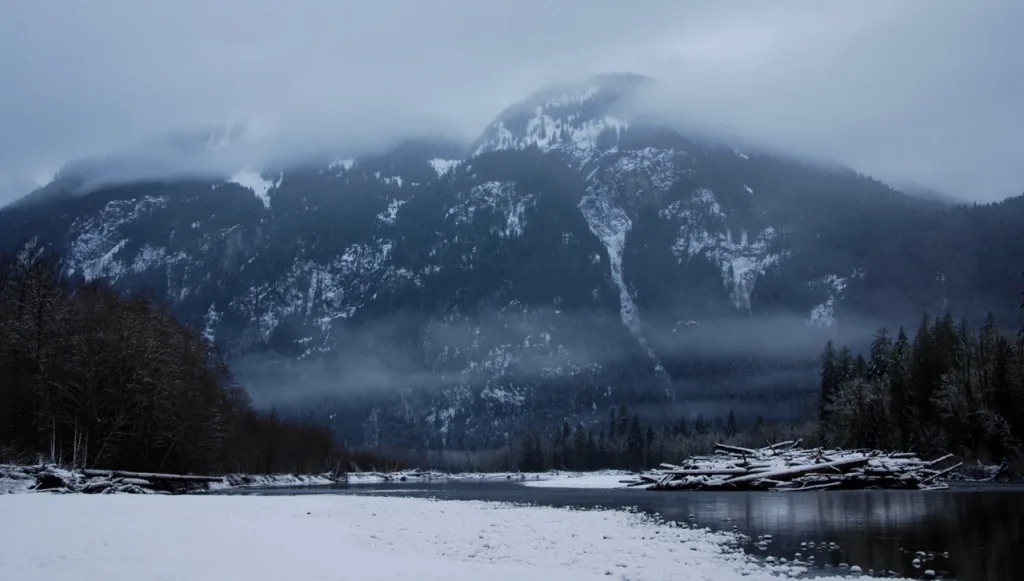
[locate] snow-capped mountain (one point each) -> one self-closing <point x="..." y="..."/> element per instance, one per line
<point x="569" y="260"/>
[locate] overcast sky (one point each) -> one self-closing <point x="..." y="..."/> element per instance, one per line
<point x="929" y="91"/>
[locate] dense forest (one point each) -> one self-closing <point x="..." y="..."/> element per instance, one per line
<point x="91" y="378"/>
<point x="624" y="441"/>
<point x="948" y="388"/>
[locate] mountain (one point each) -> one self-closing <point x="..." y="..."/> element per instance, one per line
<point x="571" y="259"/>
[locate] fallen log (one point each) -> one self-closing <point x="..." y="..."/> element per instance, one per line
<point x="151" y="476"/>
<point x="799" y="470"/>
<point x="736" y="449"/>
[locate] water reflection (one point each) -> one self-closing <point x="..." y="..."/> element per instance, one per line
<point x="963" y="534"/>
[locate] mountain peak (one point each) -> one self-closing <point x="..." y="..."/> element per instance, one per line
<point x="576" y="118"/>
<point x="605" y="87"/>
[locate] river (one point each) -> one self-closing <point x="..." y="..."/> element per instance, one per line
<point x="971" y="532"/>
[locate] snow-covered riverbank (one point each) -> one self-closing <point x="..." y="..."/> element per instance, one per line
<point x="55" y="479"/>
<point x="54" y="538"/>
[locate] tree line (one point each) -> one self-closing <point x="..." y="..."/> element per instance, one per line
<point x="91" y="378"/>
<point x="626" y="442"/>
<point x="948" y="388"/>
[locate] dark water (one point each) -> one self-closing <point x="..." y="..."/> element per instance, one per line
<point x="968" y="533"/>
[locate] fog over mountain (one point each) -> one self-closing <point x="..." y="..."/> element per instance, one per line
<point x="439" y="226"/>
<point x="911" y="92"/>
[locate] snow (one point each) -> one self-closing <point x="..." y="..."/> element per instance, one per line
<point x="72" y="537"/>
<point x="257" y="183"/>
<point x="326" y="292"/>
<point x="501" y="197"/>
<point x="342" y="163"/>
<point x="574" y="136"/>
<point x="13" y="480"/>
<point x="704" y="231"/>
<point x="443" y="166"/>
<point x="589" y="480"/>
<point x="823" y="315"/>
<point x="748" y="188"/>
<point x="210" y="321"/>
<point x="611" y="225"/>
<point x="273" y="480"/>
<point x="97" y="239"/>
<point x="390" y="215"/>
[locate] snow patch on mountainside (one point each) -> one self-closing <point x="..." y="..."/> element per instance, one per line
<point x="629" y="174"/>
<point x="575" y="120"/>
<point x="148" y="257"/>
<point x="611" y="225"/>
<point x="643" y="171"/>
<point x="344" y="164"/>
<point x="97" y="239"/>
<point x="704" y="231"/>
<point x="574" y="136"/>
<point x="499" y="197"/>
<point x="210" y="320"/>
<point x="390" y="215"/>
<point x="259" y="185"/>
<point x="319" y="293"/>
<point x="443" y="166"/>
<point x="824" y="315"/>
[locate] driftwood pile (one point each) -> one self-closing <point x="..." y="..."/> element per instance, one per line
<point x="51" y="478"/>
<point x="785" y="467"/>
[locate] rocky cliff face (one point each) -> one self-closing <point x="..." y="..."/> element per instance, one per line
<point x="570" y="261"/>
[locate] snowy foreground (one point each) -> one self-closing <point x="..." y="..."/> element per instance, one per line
<point x="142" y="537"/>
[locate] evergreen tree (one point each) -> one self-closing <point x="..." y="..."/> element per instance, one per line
<point x="730" y="425"/>
<point x="881" y="355"/>
<point x="830" y="379"/>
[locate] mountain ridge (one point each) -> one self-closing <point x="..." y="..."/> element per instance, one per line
<point x="572" y="262"/>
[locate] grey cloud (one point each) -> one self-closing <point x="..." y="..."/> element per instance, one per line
<point x="913" y="91"/>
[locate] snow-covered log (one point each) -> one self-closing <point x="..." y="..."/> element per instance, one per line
<point x="786" y="466"/>
<point x="151" y="475"/>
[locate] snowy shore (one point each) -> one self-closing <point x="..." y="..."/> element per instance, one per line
<point x="55" y="479"/>
<point x="74" y="537"/>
